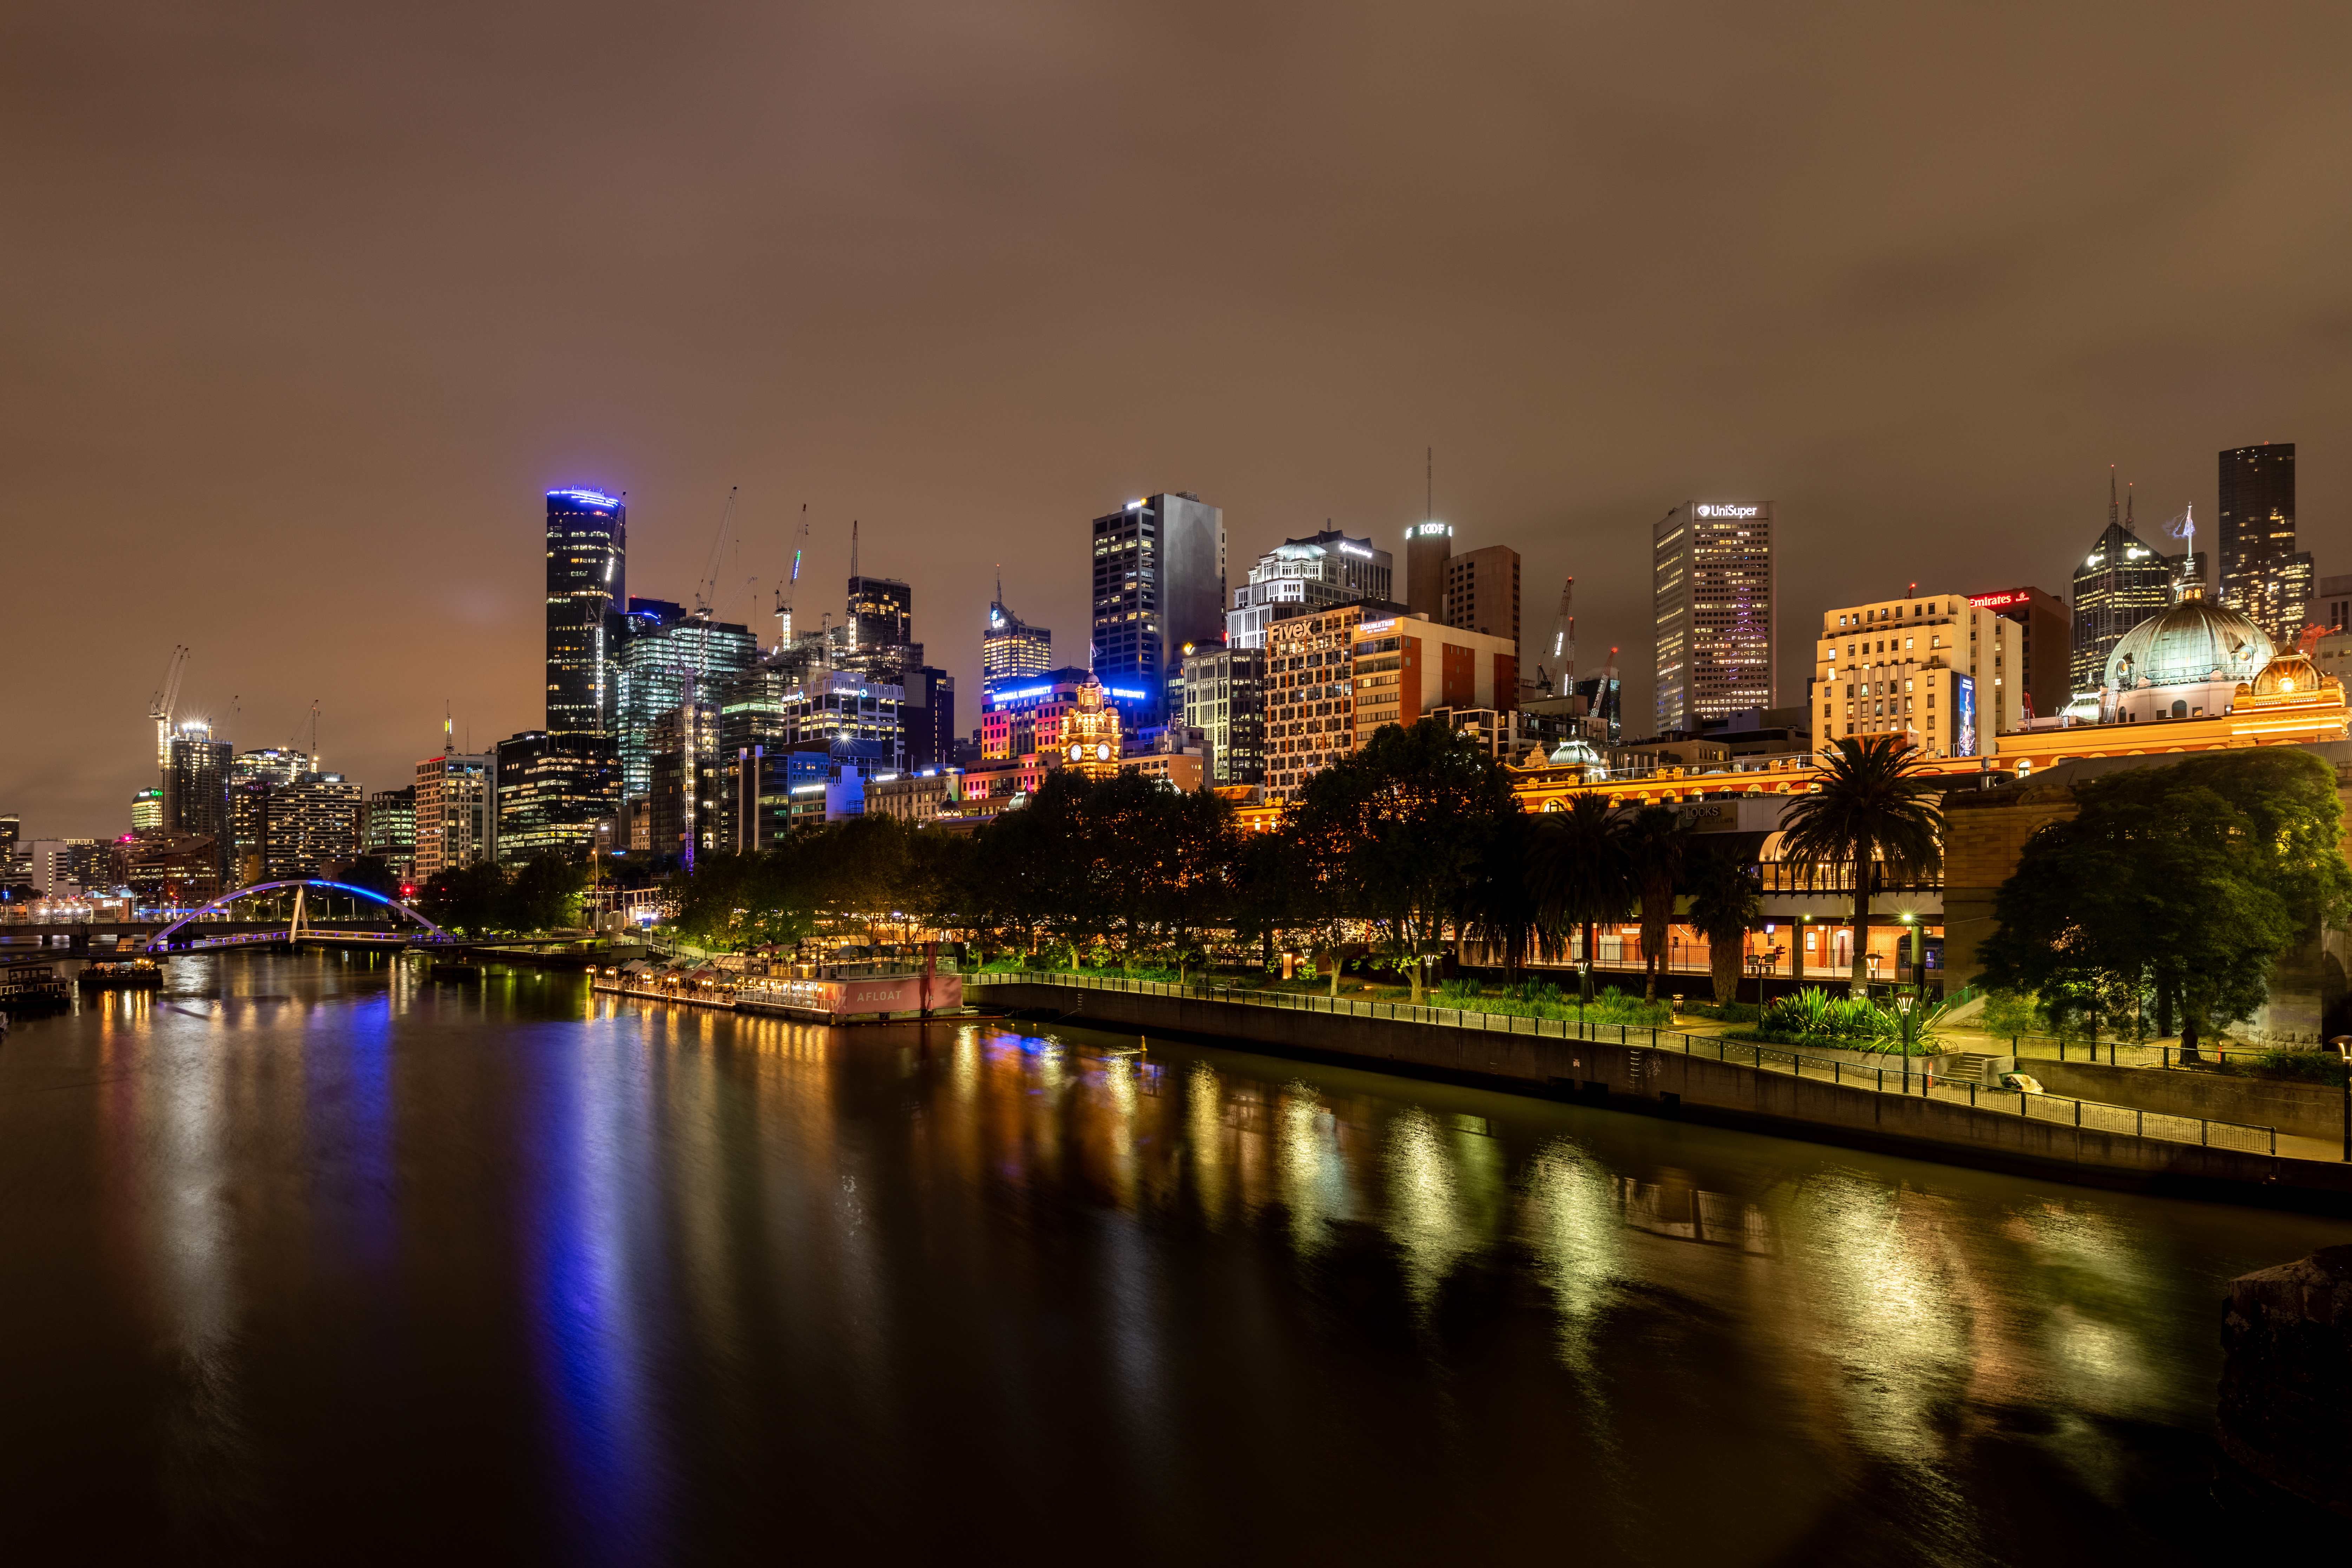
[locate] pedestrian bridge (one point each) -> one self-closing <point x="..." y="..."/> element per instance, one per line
<point x="404" y="926"/>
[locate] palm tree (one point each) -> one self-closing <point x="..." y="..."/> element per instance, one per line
<point x="1498" y="905"/>
<point x="1724" y="903"/>
<point x="1871" y="807"/>
<point x="1655" y="840"/>
<point x="1578" y="874"/>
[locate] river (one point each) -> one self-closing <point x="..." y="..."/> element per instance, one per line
<point x="310" y="1259"/>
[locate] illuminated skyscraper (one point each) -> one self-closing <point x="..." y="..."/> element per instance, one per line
<point x="2263" y="575"/>
<point x="669" y="656"/>
<point x="587" y="588"/>
<point x="1159" y="583"/>
<point x="195" y="787"/>
<point x="1712" y="584"/>
<point x="1316" y="572"/>
<point x="2122" y="581"/>
<point x="1012" y="651"/>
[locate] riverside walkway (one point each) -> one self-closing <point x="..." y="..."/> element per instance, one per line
<point x="1884" y="1079"/>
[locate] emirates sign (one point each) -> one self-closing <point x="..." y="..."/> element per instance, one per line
<point x="2001" y="601"/>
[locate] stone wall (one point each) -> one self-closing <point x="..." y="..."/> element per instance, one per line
<point x="1993" y="1135"/>
<point x="2285" y="1415"/>
<point x="2306" y="1109"/>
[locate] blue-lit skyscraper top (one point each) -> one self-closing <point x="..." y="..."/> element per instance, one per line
<point x="587" y="586"/>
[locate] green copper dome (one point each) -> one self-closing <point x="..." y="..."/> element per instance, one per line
<point x="2188" y="644"/>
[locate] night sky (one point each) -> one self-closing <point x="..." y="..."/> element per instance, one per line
<point x="306" y="306"/>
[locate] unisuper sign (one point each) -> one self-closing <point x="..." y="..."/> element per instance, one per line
<point x="1730" y="511"/>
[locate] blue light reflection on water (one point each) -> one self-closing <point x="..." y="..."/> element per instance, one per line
<point x="588" y="1139"/>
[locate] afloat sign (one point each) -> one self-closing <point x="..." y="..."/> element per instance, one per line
<point x="1729" y="510"/>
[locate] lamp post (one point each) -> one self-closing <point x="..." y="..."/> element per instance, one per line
<point x="1903" y="1008"/>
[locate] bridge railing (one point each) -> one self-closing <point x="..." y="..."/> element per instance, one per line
<point x="1917" y="1082"/>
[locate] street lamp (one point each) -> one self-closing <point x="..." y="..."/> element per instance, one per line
<point x="1903" y="1009"/>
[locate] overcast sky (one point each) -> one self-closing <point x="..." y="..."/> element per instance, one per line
<point x="307" y="305"/>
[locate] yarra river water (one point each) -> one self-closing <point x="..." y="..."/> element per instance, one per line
<point x="309" y="1259"/>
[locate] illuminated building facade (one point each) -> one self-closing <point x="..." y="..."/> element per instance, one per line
<point x="1225" y="699"/>
<point x="1159" y="584"/>
<point x="1406" y="669"/>
<point x="1713" y="598"/>
<point x="1026" y="720"/>
<point x="551" y="792"/>
<point x="881" y="613"/>
<point x="2189" y="662"/>
<point x="454" y="821"/>
<point x="1934" y="669"/>
<point x="587" y="588"/>
<point x="1482" y="594"/>
<point x="146" y="810"/>
<point x="1089" y="741"/>
<point x="313" y="827"/>
<point x="2263" y="575"/>
<point x="1012" y="651"/>
<point x="1313" y="573"/>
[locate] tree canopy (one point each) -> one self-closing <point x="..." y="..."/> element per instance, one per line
<point x="1871" y="809"/>
<point x="2183" y="884"/>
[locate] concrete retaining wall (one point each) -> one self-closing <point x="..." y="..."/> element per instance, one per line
<point x="2306" y="1109"/>
<point x="1670" y="1081"/>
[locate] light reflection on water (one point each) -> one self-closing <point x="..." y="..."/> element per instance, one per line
<point x="609" y="1283"/>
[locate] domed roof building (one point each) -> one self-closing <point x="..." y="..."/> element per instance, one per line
<point x="2187" y="663"/>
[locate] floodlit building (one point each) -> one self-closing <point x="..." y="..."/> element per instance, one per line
<point x="146" y="810"/>
<point x="1428" y="550"/>
<point x="1012" y="651"/>
<point x="389" y="830"/>
<point x="1314" y="573"/>
<point x="1090" y="742"/>
<point x="1404" y="669"/>
<point x="1934" y="669"/>
<point x="2192" y="661"/>
<point x="313" y="827"/>
<point x="587" y="590"/>
<point x="1713" y="596"/>
<point x="669" y="655"/>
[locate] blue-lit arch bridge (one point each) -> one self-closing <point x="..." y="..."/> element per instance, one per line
<point x="313" y="908"/>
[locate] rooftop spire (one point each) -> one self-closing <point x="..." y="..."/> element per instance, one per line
<point x="2111" y="495"/>
<point x="2127" y="508"/>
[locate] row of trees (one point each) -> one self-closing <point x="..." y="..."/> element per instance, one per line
<point x="1414" y="840"/>
<point x="487" y="899"/>
<point x="2171" y="894"/>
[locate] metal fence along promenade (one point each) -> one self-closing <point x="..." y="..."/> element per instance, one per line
<point x="2053" y="1108"/>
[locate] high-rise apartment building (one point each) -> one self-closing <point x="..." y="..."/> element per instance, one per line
<point x="1428" y="549"/>
<point x="1012" y="651"/>
<point x="1315" y="572"/>
<point x="1712" y="589"/>
<point x="1225" y="699"/>
<point x="1935" y="669"/>
<point x="549" y="793"/>
<point x="1159" y="584"/>
<point x="2122" y="581"/>
<point x="2263" y="576"/>
<point x="1482" y="594"/>
<point x="1334" y="677"/>
<point x="313" y="827"/>
<point x="147" y="809"/>
<point x="456" y="821"/>
<point x="2046" y="658"/>
<point x="587" y="589"/>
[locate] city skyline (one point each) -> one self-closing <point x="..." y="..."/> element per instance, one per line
<point x="353" y="367"/>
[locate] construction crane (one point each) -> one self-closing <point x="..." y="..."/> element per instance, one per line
<point x="784" y="595"/>
<point x="161" y="707"/>
<point x="1563" y="640"/>
<point x="707" y="590"/>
